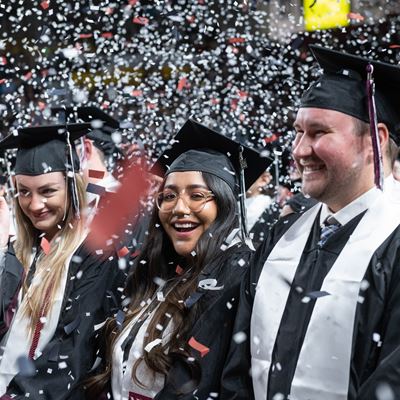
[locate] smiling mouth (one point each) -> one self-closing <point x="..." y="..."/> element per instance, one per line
<point x="185" y="227"/>
<point x="312" y="168"/>
<point x="41" y="215"/>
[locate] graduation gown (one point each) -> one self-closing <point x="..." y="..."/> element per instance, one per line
<point x="91" y="295"/>
<point x="213" y="324"/>
<point x="375" y="342"/>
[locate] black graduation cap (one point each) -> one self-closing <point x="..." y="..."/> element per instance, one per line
<point x="101" y="135"/>
<point x="43" y="149"/>
<point x="198" y="148"/>
<point x="342" y="87"/>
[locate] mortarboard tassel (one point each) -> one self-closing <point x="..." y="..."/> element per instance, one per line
<point x="242" y="196"/>
<point x="378" y="163"/>
<point x="71" y="175"/>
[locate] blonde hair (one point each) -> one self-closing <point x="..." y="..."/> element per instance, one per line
<point x="38" y="298"/>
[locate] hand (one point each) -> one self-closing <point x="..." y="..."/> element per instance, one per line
<point x="4" y="222"/>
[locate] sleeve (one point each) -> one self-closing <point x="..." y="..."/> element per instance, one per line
<point x="386" y="376"/>
<point x="236" y="380"/>
<point x="68" y="357"/>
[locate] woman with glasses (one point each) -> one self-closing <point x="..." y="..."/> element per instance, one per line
<point x="183" y="292"/>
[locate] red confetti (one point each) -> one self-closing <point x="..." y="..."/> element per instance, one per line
<point x="137" y="93"/>
<point x="140" y="20"/>
<point x="179" y="270"/>
<point x="151" y="106"/>
<point x="45" y="245"/>
<point x="234" y="40"/>
<point x="394" y="46"/>
<point x="215" y="101"/>
<point x="182" y="84"/>
<point x="3" y="61"/>
<point x="85" y="35"/>
<point x="93" y="173"/>
<point x="271" y="138"/>
<point x="242" y="93"/>
<point x="45" y="4"/>
<point x="2" y="81"/>
<point x="234" y="104"/>
<point x="119" y="207"/>
<point x="123" y="252"/>
<point x="356" y="16"/>
<point x="28" y="76"/>
<point x="203" y="350"/>
<point x="133" y="2"/>
<point x="107" y="35"/>
<point x="191" y="19"/>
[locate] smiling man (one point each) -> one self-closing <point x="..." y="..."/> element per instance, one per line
<point x="321" y="303"/>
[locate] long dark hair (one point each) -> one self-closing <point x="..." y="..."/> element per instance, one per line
<point x="158" y="260"/>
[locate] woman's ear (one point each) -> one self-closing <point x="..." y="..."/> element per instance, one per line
<point x="88" y="147"/>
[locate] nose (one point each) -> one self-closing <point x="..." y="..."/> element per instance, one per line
<point x="302" y="147"/>
<point x="37" y="202"/>
<point x="181" y="207"/>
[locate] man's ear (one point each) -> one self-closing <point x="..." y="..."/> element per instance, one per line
<point x="383" y="133"/>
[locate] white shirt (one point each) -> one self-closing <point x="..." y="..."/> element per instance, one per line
<point x="352" y="209"/>
<point x="122" y="385"/>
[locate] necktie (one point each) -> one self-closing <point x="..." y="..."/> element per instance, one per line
<point x="329" y="227"/>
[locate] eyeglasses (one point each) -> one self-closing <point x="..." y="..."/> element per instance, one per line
<point x="195" y="199"/>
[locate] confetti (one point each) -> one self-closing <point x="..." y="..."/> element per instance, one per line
<point x="140" y="20"/>
<point x="45" y="245"/>
<point x="150" y="346"/>
<point x="123" y="252"/>
<point x="203" y="350"/>
<point x="45" y="4"/>
<point x="96" y="174"/>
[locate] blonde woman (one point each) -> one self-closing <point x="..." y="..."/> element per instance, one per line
<point x="55" y="294"/>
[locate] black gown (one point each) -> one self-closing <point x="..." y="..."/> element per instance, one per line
<point x="91" y="295"/>
<point x="372" y="362"/>
<point x="212" y="328"/>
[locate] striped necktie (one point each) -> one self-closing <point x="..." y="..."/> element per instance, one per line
<point x="329" y="227"/>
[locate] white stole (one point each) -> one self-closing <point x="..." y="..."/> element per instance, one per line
<point x="322" y="370"/>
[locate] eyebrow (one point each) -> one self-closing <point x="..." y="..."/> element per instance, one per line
<point x="194" y="186"/>
<point x="40" y="187"/>
<point x="312" y="125"/>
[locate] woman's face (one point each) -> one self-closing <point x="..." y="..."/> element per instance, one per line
<point x="42" y="200"/>
<point x="184" y="226"/>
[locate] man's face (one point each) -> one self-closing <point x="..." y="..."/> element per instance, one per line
<point x="335" y="162"/>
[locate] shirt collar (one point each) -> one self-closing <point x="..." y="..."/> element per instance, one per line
<point x="357" y="206"/>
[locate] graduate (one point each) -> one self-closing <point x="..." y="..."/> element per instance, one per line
<point x="320" y="305"/>
<point x="183" y="291"/>
<point x="55" y="294"/>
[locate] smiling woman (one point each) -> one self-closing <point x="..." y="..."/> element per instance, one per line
<point x="52" y="287"/>
<point x="183" y="291"/>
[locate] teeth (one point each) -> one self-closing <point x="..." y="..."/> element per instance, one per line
<point x="312" y="168"/>
<point x="184" y="226"/>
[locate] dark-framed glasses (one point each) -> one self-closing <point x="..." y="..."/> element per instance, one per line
<point x="194" y="199"/>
